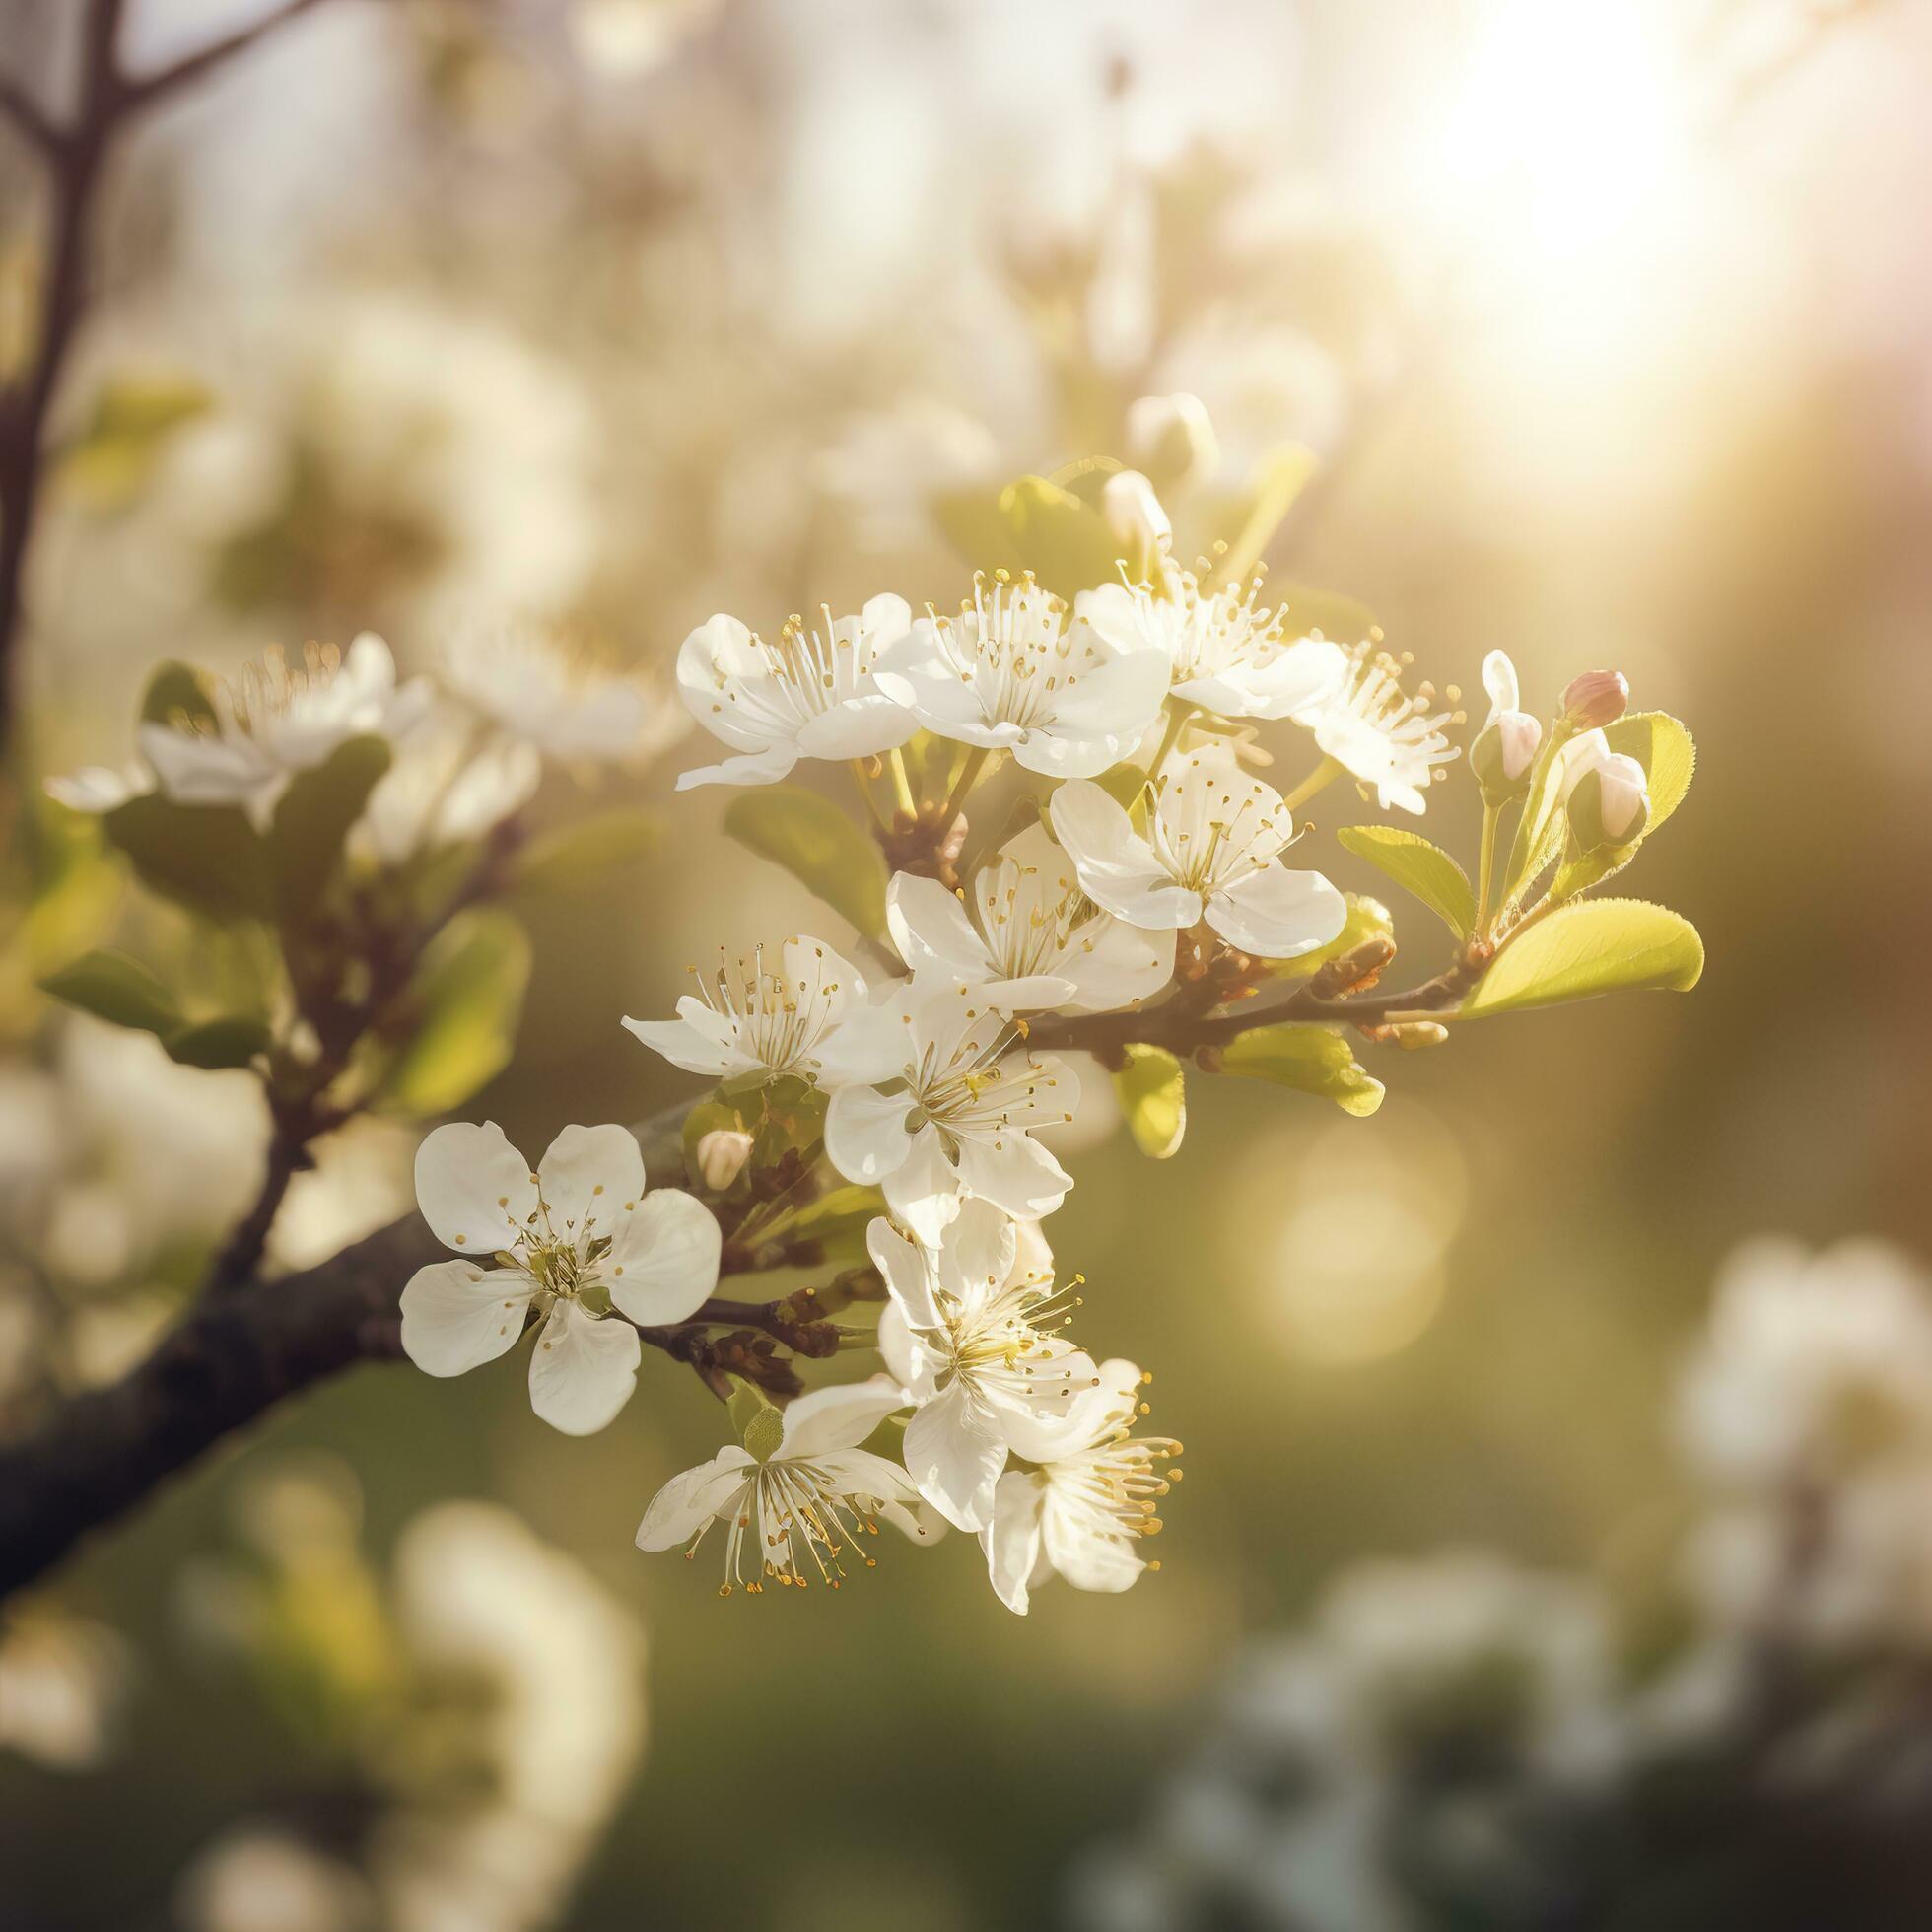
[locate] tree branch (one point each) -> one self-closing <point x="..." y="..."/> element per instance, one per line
<point x="24" y="112"/>
<point x="144" y="90"/>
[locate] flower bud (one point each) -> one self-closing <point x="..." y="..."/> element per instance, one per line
<point x="1604" y="793"/>
<point x="1594" y="699"/>
<point x="722" y="1155"/>
<point x="1172" y="438"/>
<point x="1135" y="515"/>
<point x="1503" y="752"/>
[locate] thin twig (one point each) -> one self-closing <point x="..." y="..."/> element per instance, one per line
<point x="144" y="90"/>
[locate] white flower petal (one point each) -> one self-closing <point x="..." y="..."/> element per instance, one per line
<point x="866" y="1136"/>
<point x="908" y="1276"/>
<point x="1019" y="1175"/>
<point x="839" y="1416"/>
<point x="954" y="1457"/>
<point x="663" y="1262"/>
<point x="586" y="1176"/>
<point x="765" y="767"/>
<point x="475" y="1190"/>
<point x="1278" y="914"/>
<point x="1118" y="870"/>
<point x="1013" y="1542"/>
<point x="1086" y="1559"/>
<point x="931" y="930"/>
<point x="694" y="1048"/>
<point x="583" y="1370"/>
<point x="859" y="728"/>
<point x="458" y="1316"/>
<point x="922" y="1191"/>
<point x="691" y="1498"/>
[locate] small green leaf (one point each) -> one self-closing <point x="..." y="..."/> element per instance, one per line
<point x="834" y="1217"/>
<point x="1422" y="870"/>
<point x="1152" y="1092"/>
<point x="114" y="457"/>
<point x="1368" y="918"/>
<point x="112" y="986"/>
<point x="818" y="844"/>
<point x="1252" y="519"/>
<point x="748" y="1407"/>
<point x="314" y="817"/>
<point x="1604" y="946"/>
<point x="585" y="854"/>
<point x="1311" y="1058"/>
<point x="463" y="1010"/>
<point x="206" y="857"/>
<point x="1036" y="524"/>
<point x="230" y="1040"/>
<point x="177" y="690"/>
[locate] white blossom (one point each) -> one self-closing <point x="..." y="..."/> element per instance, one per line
<point x="972" y="1331"/>
<point x="1082" y="1514"/>
<point x="1136" y="516"/>
<point x="98" y="789"/>
<point x="275" y="719"/>
<point x="809" y="1020"/>
<point x="1389" y="742"/>
<point x="1209" y="852"/>
<point x="1026" y="935"/>
<point x="1174" y="435"/>
<point x="803" y="1493"/>
<point x="549" y="688"/>
<point x="1623" y="787"/>
<point x="1010" y="673"/>
<point x="1226" y="653"/>
<point x="811" y="693"/>
<point x="575" y="1240"/>
<point x="448" y="783"/>
<point x="947" y="1114"/>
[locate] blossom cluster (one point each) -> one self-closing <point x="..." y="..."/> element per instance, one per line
<point x="1139" y="891"/>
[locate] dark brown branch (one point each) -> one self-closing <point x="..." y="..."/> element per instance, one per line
<point x="229" y="1363"/>
<point x="144" y="90"/>
<point x="24" y="112"/>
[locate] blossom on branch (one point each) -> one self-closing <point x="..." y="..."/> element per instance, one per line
<point x="801" y="1490"/>
<point x="1010" y="673"/>
<point x="579" y="1242"/>
<point x="1031" y="938"/>
<point x="1209" y="853"/>
<point x="809" y="694"/>
<point x="1389" y="742"/>
<point x="972" y="1333"/>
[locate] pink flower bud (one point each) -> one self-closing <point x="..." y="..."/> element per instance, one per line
<point x="1606" y="792"/>
<point x="1594" y="699"/>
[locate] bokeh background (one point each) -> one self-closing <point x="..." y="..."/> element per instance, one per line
<point x="1611" y="327"/>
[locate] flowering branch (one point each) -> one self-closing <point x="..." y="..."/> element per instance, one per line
<point x="76" y="154"/>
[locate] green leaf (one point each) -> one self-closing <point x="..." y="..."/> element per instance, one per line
<point x="1421" y="869"/>
<point x="1278" y="479"/>
<point x="818" y="844"/>
<point x="1124" y="783"/>
<point x="1604" y="946"/>
<point x="115" y="454"/>
<point x="206" y="857"/>
<point x="1669" y="757"/>
<point x="1036" y="524"/>
<point x="314" y="817"/>
<point x="1368" y="918"/>
<point x="230" y="1040"/>
<point x="585" y="854"/>
<point x="463" y="1007"/>
<point x="177" y="690"/>
<point x="1310" y="1059"/>
<point x="837" y="1219"/>
<point x="1152" y="1092"/>
<point x="112" y="986"/>
<point x="747" y="1408"/>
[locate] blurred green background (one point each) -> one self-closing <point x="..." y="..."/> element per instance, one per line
<point x="1610" y="328"/>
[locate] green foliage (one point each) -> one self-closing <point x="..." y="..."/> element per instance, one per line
<point x="818" y="844"/>
<point x="1310" y="1059"/>
<point x="1423" y="870"/>
<point x="1605" y="945"/>
<point x="585" y="854"/>
<point x="114" y="454"/>
<point x="1254" y="516"/>
<point x="314" y="818"/>
<point x="461" y="1013"/>
<point x="837" y="1221"/>
<point x="1152" y="1092"/>
<point x="206" y="857"/>
<point x="112" y="986"/>
<point x="1034" y="525"/>
<point x="177" y="690"/>
<point x="1669" y="757"/>
<point x="750" y="1409"/>
<point x="1368" y="918"/>
<point x="214" y="1043"/>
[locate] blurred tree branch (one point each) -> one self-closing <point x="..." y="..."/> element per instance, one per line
<point x="76" y="151"/>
